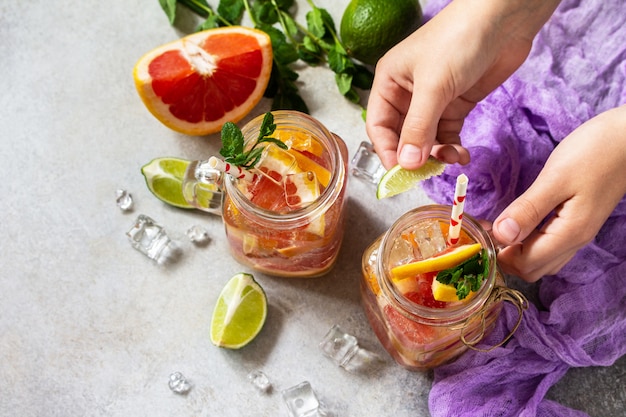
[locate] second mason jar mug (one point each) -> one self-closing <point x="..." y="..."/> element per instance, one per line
<point x="284" y="217"/>
<point x="417" y="330"/>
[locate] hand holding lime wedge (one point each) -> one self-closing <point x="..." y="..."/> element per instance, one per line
<point x="398" y="180"/>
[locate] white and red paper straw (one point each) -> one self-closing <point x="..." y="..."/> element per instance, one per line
<point x="456" y="217"/>
<point x="237" y="172"/>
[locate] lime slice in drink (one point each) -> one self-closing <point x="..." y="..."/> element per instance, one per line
<point x="239" y="313"/>
<point x="164" y="178"/>
<point x="398" y="180"/>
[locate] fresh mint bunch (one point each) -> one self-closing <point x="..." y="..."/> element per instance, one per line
<point x="233" y="145"/>
<point x="467" y="276"/>
<point x="315" y="43"/>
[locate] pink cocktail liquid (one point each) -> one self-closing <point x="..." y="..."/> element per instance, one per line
<point x="289" y="220"/>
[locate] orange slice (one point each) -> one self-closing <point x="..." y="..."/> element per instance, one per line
<point x="307" y="164"/>
<point x="446" y="292"/>
<point x="299" y="141"/>
<point x="197" y="83"/>
<point x="440" y="262"/>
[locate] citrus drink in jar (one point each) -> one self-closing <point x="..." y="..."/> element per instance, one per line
<point x="289" y="219"/>
<point x="421" y="322"/>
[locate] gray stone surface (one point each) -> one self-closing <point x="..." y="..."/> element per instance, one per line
<point x="91" y="327"/>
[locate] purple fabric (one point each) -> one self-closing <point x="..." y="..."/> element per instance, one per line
<point x="577" y="69"/>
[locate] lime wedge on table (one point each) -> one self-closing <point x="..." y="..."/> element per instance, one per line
<point x="398" y="180"/>
<point x="164" y="178"/>
<point x="239" y="313"/>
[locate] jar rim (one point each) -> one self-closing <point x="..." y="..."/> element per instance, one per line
<point x="430" y="315"/>
<point x="328" y="196"/>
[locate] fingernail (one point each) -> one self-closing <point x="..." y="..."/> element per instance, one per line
<point x="509" y="229"/>
<point x="409" y="153"/>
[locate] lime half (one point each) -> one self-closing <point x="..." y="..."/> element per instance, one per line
<point x="239" y="314"/>
<point x="164" y="178"/>
<point x="398" y="180"/>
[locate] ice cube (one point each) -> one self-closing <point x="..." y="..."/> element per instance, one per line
<point x="260" y="381"/>
<point x="402" y="251"/>
<point x="276" y="163"/>
<point x="179" y="384"/>
<point x="344" y="350"/>
<point x="124" y="200"/>
<point x="149" y="238"/>
<point x="301" y="189"/>
<point x="339" y="345"/>
<point x="429" y="238"/>
<point x="366" y="165"/>
<point x="302" y="401"/>
<point x="198" y="235"/>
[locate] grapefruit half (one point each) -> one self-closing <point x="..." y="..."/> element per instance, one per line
<point x="196" y="84"/>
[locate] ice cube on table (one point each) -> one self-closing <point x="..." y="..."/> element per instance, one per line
<point x="366" y="165"/>
<point x="260" y="380"/>
<point x="149" y="238"/>
<point x="302" y="401"/>
<point x="343" y="348"/>
<point x="179" y="384"/>
<point x="339" y="345"/>
<point x="198" y="235"/>
<point x="124" y="200"/>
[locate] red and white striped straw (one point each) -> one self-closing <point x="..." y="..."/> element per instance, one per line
<point x="456" y="217"/>
<point x="237" y="172"/>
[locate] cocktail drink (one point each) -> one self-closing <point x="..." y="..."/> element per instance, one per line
<point x="403" y="303"/>
<point x="284" y="216"/>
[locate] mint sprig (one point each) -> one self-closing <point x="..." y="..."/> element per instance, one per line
<point x="233" y="145"/>
<point x="467" y="276"/>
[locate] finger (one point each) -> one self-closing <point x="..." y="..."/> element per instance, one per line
<point x="419" y="130"/>
<point x="524" y="214"/>
<point x="385" y="116"/>
<point x="451" y="154"/>
<point x="535" y="258"/>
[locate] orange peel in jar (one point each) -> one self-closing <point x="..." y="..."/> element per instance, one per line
<point x="446" y="292"/>
<point x="445" y="260"/>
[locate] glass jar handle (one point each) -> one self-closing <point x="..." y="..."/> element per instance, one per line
<point x="499" y="294"/>
<point x="202" y="187"/>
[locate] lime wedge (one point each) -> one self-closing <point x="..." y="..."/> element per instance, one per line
<point x="164" y="178"/>
<point x="398" y="180"/>
<point x="239" y="313"/>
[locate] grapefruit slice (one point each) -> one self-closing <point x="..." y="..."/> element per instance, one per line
<point x="196" y="84"/>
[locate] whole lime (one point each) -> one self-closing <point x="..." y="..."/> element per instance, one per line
<point x="369" y="28"/>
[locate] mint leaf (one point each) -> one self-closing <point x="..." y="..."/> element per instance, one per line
<point x="233" y="143"/>
<point x="467" y="276"/>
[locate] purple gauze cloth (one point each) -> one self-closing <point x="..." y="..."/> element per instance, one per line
<point x="576" y="70"/>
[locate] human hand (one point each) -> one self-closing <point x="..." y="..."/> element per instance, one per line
<point x="580" y="185"/>
<point x="426" y="85"/>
